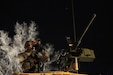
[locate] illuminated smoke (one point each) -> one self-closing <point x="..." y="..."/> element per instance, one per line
<point x="11" y="47"/>
<point x="53" y="55"/>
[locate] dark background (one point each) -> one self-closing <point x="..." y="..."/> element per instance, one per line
<point x="55" y="21"/>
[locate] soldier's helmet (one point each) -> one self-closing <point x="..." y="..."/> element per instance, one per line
<point x="29" y="44"/>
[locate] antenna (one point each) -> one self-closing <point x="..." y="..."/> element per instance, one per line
<point x="94" y="15"/>
<point x="73" y="22"/>
<point x="76" y="59"/>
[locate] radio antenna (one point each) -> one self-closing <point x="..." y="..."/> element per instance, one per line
<point x="79" y="41"/>
<point x="73" y="22"/>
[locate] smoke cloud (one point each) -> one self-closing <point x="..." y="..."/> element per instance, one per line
<point x="11" y="47"/>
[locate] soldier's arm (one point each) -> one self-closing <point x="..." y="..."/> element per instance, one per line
<point x="43" y="56"/>
<point x="24" y="56"/>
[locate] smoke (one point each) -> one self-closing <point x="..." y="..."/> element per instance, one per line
<point x="11" y="47"/>
<point x="53" y="56"/>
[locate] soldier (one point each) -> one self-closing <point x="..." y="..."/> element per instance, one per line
<point x="62" y="60"/>
<point x="34" y="57"/>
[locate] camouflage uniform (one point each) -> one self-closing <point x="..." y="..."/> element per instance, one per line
<point x="33" y="58"/>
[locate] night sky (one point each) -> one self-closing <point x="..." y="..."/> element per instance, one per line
<point x="55" y="21"/>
